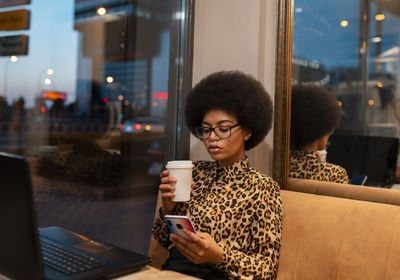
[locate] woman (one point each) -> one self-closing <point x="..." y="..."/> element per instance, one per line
<point x="236" y="210"/>
<point x="315" y="114"/>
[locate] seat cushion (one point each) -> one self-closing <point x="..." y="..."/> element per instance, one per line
<point x="336" y="238"/>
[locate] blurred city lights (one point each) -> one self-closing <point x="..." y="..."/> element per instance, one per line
<point x="380" y="17"/>
<point x="344" y="23"/>
<point x="147" y="127"/>
<point x="110" y="79"/>
<point x="298" y="10"/>
<point x="50" y="71"/>
<point x="160" y="95"/>
<point x="101" y="11"/>
<point x="379" y="84"/>
<point x="13" y="58"/>
<point x="371" y="102"/>
<point x="376" y="40"/>
<point x="47" y="81"/>
<point x="179" y="15"/>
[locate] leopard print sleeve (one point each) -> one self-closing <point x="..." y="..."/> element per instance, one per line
<point x="160" y="230"/>
<point x="338" y="174"/>
<point x="260" y="259"/>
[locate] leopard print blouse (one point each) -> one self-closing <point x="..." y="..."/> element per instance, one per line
<point x="242" y="210"/>
<point x="308" y="165"/>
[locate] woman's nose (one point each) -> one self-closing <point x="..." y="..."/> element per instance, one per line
<point x="213" y="135"/>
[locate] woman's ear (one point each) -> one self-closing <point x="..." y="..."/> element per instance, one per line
<point x="247" y="133"/>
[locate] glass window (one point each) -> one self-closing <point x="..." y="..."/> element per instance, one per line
<point x="352" y="48"/>
<point x="86" y="103"/>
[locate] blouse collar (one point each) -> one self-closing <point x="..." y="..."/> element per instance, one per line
<point x="235" y="168"/>
<point x="306" y="154"/>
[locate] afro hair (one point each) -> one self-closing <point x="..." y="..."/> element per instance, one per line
<point x="314" y="113"/>
<point x="236" y="93"/>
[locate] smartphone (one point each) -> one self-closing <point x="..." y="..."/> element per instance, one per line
<point x="358" y="180"/>
<point x="176" y="224"/>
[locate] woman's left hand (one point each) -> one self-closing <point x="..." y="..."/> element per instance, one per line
<point x="201" y="248"/>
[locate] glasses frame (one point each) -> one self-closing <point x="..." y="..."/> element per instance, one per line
<point x="212" y="129"/>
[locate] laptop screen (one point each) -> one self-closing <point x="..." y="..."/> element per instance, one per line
<point x="373" y="156"/>
<point x="19" y="250"/>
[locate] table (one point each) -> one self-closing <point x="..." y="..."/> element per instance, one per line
<point x="149" y="273"/>
<point x="152" y="273"/>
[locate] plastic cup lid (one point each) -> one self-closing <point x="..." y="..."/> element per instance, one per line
<point x="179" y="164"/>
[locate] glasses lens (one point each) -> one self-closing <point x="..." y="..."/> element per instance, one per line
<point x="223" y="131"/>
<point x="203" y="132"/>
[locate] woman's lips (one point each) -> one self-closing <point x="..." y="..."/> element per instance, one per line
<point x="214" y="149"/>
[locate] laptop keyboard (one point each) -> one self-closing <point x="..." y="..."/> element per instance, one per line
<point x="67" y="261"/>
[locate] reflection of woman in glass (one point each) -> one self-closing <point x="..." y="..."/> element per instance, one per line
<point x="236" y="210"/>
<point x="315" y="114"/>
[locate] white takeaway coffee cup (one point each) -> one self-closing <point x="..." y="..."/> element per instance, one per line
<point x="182" y="171"/>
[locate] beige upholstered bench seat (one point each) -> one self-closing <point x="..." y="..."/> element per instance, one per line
<point x="381" y="195"/>
<point x="336" y="238"/>
<point x="327" y="237"/>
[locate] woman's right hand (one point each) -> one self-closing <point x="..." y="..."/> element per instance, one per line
<point x="167" y="192"/>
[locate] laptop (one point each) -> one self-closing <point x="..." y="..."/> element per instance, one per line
<point x="372" y="156"/>
<point x="27" y="252"/>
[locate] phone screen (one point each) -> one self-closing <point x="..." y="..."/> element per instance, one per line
<point x="358" y="180"/>
<point x="176" y="224"/>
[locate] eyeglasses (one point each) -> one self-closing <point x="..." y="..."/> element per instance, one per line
<point x="221" y="132"/>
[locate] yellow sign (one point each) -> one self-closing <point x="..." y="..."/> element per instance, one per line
<point x="14" y="20"/>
